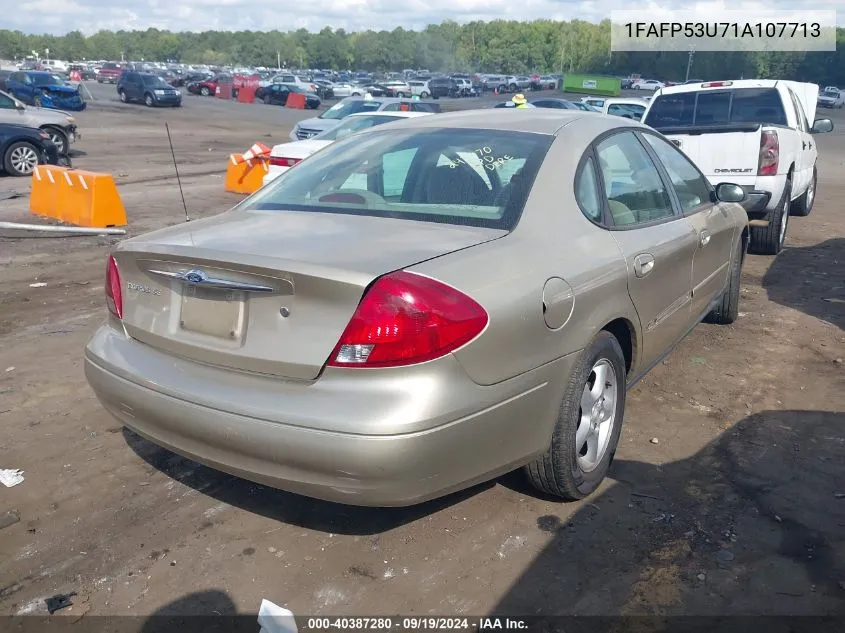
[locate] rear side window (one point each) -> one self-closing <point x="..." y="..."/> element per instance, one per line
<point x="451" y="176"/>
<point x="717" y="107"/>
<point x="586" y="191"/>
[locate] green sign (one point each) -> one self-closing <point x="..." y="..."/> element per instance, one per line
<point x="592" y="85"/>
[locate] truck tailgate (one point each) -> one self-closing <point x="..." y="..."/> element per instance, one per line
<point x="731" y="150"/>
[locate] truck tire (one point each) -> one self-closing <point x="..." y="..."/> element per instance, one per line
<point x="803" y="205"/>
<point x="728" y="309"/>
<point x="564" y="471"/>
<point x="769" y="240"/>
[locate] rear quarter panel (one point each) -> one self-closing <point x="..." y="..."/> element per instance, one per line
<point x="507" y="277"/>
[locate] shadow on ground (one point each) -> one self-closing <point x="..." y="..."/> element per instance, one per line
<point x="282" y="506"/>
<point x="810" y="279"/>
<point x="752" y="524"/>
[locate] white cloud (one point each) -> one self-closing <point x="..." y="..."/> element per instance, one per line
<point x="89" y="16"/>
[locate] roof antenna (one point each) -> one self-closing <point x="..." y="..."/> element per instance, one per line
<point x="176" y="167"/>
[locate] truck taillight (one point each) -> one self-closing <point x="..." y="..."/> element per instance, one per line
<point x="767" y="164"/>
<point x="716" y="84"/>
<point x="281" y="161"/>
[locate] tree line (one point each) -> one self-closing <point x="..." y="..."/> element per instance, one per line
<point x="499" y="46"/>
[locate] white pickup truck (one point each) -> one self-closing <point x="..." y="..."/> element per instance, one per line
<point x="758" y="133"/>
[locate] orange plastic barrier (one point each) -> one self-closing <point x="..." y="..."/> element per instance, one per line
<point x="74" y="196"/>
<point x="245" y="176"/>
<point x="246" y="95"/>
<point x="296" y="100"/>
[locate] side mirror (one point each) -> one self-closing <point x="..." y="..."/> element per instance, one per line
<point x="19" y="106"/>
<point x="728" y="192"/>
<point x="820" y="126"/>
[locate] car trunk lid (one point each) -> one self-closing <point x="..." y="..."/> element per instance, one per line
<point x="267" y="292"/>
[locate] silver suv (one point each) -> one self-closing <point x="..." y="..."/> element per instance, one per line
<point x="60" y="125"/>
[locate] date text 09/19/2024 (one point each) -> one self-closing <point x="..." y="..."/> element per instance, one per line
<point x="417" y="623"/>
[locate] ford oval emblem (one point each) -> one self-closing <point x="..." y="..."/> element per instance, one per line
<point x="195" y="276"/>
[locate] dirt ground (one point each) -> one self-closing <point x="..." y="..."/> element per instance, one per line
<point x="727" y="496"/>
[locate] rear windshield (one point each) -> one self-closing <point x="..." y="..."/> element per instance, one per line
<point x="345" y="108"/>
<point x="354" y="124"/>
<point x="451" y="176"/>
<point x="717" y="107"/>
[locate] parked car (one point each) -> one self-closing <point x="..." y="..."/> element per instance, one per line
<point x="277" y="94"/>
<point x="465" y="88"/>
<point x="831" y="98"/>
<point x="419" y="89"/>
<point x="285" y="155"/>
<point x="109" y="73"/>
<point x="187" y="78"/>
<point x="148" y="89"/>
<point x="208" y="87"/>
<point x="444" y="87"/>
<point x="366" y="274"/>
<point x="757" y="132"/>
<point x="45" y="89"/>
<point x="544" y="82"/>
<point x="399" y="89"/>
<point x="620" y="106"/>
<point x="345" y="89"/>
<point x="342" y="109"/>
<point x="86" y="73"/>
<point x="60" y="126"/>
<point x="647" y="84"/>
<point x="560" y="104"/>
<point x="325" y="88"/>
<point x="23" y="148"/>
<point x="290" y="79"/>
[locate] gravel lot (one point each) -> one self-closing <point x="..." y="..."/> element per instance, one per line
<point x="726" y="496"/>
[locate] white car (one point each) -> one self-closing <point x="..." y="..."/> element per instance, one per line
<point x="419" y="89"/>
<point x="289" y="78"/>
<point x="631" y="108"/>
<point x="345" y="89"/>
<point x="648" y="84"/>
<point x="831" y="98"/>
<point x="286" y="155"/>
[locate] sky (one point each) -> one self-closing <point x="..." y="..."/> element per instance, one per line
<point x="60" y="16"/>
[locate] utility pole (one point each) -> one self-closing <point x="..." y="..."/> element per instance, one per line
<point x="689" y="63"/>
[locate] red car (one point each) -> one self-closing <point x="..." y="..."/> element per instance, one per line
<point x="109" y="73"/>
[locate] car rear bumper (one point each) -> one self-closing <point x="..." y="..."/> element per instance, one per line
<point x="422" y="433"/>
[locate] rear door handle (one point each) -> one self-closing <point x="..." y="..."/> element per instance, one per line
<point x="643" y="265"/>
<point x="704" y="238"/>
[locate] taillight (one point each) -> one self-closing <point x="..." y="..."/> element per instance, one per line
<point x="280" y="161"/>
<point x="716" y="84"/>
<point x="114" y="297"/>
<point x="767" y="164"/>
<point x="405" y="318"/>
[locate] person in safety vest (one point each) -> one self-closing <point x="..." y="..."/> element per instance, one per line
<point x="519" y="101"/>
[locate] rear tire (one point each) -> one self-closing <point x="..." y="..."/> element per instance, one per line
<point x="424" y="95"/>
<point x="563" y="471"/>
<point x="803" y="205"/>
<point x="769" y="240"/>
<point x="148" y="101"/>
<point x="728" y="309"/>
